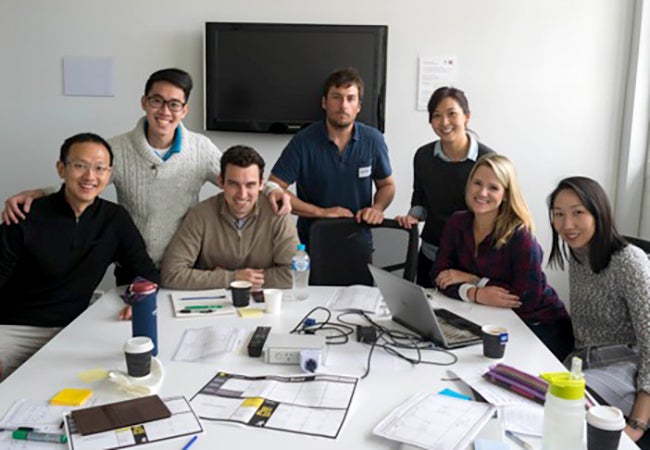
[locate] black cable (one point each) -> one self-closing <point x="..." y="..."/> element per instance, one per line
<point x="394" y="340"/>
<point x="342" y="331"/>
<point x="391" y="341"/>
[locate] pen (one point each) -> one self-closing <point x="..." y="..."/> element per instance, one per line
<point x="19" y="428"/>
<point x="194" y="311"/>
<point x="203" y="298"/>
<point x="24" y="435"/>
<point x="203" y="307"/>
<point x="189" y="444"/>
<point x="520" y="442"/>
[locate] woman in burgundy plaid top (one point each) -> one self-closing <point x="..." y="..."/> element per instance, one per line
<point x="488" y="255"/>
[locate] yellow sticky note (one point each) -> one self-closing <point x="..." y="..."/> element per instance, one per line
<point x="92" y="375"/>
<point x="253" y="402"/>
<point x="250" y="312"/>
<point x="71" y="397"/>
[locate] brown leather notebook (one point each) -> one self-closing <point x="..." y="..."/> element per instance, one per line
<point x="113" y="416"/>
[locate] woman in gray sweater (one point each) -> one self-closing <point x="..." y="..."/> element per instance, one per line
<point x="609" y="298"/>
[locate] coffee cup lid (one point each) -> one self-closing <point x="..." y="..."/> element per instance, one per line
<point x="241" y="284"/>
<point x="139" y="344"/>
<point x="606" y="418"/>
<point x="494" y="329"/>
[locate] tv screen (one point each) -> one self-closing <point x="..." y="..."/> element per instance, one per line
<point x="269" y="77"/>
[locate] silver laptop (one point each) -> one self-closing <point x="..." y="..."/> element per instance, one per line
<point x="409" y="306"/>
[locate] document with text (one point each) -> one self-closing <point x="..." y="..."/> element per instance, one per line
<point x="310" y="404"/>
<point x="436" y="422"/>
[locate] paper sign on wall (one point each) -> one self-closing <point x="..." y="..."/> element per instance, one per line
<point x="434" y="72"/>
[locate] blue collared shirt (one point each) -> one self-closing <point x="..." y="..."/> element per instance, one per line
<point x="176" y="145"/>
<point x="326" y="177"/>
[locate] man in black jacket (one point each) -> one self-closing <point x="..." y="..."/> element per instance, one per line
<point x="51" y="263"/>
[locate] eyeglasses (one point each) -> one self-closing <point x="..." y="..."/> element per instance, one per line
<point x="156" y="102"/>
<point x="82" y="167"/>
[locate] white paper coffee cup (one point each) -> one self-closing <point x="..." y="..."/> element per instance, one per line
<point x="273" y="300"/>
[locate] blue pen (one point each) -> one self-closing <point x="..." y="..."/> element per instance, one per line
<point x="204" y="298"/>
<point x="520" y="442"/>
<point x="189" y="444"/>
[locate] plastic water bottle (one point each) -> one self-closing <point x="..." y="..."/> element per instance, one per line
<point x="564" y="409"/>
<point x="300" y="272"/>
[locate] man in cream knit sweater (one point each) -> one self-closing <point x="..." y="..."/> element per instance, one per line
<point x="160" y="167"/>
<point x="233" y="235"/>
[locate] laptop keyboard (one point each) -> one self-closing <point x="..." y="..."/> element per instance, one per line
<point x="455" y="328"/>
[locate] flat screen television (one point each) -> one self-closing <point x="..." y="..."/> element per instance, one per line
<point x="268" y="77"/>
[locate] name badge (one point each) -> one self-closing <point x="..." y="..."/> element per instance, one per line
<point x="365" y="172"/>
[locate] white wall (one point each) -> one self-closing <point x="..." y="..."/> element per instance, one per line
<point x="544" y="79"/>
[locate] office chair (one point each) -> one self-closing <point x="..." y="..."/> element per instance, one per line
<point x="639" y="242"/>
<point x="341" y="249"/>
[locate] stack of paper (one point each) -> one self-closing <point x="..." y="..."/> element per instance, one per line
<point x="436" y="422"/>
<point x="360" y="298"/>
<point x="517" y="413"/>
<point x="207" y="343"/>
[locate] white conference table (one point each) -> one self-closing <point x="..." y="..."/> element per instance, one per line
<point x="96" y="337"/>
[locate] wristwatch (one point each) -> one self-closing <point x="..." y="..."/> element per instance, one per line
<point x="636" y="424"/>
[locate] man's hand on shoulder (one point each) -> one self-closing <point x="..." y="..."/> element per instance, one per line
<point x="370" y="215"/>
<point x="334" y="212"/>
<point x="13" y="212"/>
<point x="280" y="201"/>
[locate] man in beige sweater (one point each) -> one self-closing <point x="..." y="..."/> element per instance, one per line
<point x="234" y="235"/>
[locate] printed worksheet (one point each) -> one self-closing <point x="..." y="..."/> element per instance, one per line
<point x="356" y="297"/>
<point x="207" y="344"/>
<point x="183" y="422"/>
<point x="312" y="404"/>
<point x="36" y="414"/>
<point x="436" y="422"/>
<point x="517" y="413"/>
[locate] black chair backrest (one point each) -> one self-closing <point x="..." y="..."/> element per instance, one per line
<point x="341" y="249"/>
<point x="641" y="243"/>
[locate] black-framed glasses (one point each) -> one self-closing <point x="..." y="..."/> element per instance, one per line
<point x="157" y="102"/>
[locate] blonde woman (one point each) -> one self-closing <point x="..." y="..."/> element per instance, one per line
<point x="488" y="255"/>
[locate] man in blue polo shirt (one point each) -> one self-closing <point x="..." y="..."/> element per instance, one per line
<point x="334" y="162"/>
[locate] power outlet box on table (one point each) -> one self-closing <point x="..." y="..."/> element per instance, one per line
<point x="286" y="348"/>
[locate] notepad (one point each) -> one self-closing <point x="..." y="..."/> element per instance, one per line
<point x="247" y="313"/>
<point x="71" y="397"/>
<point x="213" y="302"/>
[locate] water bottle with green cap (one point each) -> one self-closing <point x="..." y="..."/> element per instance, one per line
<point x="564" y="409"/>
